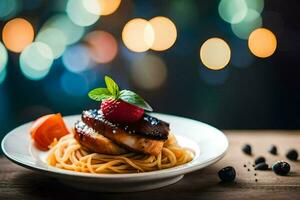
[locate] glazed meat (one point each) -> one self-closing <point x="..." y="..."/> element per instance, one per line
<point x="147" y="135"/>
<point x="94" y="141"/>
<point x="147" y="126"/>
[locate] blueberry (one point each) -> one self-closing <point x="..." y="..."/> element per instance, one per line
<point x="272" y="150"/>
<point x="260" y="159"/>
<point x="281" y="168"/>
<point x="292" y="154"/>
<point x="247" y="149"/>
<point x="227" y="174"/>
<point x="261" y="166"/>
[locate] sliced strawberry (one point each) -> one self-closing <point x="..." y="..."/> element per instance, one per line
<point x="120" y="111"/>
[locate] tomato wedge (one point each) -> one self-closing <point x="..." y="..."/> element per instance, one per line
<point x="46" y="128"/>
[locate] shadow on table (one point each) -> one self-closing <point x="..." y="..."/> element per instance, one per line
<point x="32" y="185"/>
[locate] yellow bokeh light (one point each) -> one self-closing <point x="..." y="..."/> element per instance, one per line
<point x="138" y="35"/>
<point x="165" y="33"/>
<point x="215" y="53"/>
<point x="262" y="42"/>
<point x="17" y="34"/>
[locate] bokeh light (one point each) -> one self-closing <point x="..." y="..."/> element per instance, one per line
<point x="3" y="58"/>
<point x="235" y="11"/>
<point x="76" y="58"/>
<point x="109" y="6"/>
<point x="262" y="42"/>
<point x="72" y="32"/>
<point x="58" y="86"/>
<point x="165" y="33"/>
<point x="232" y="11"/>
<point x="78" y="12"/>
<point x="55" y="39"/>
<point x="92" y="6"/>
<point x="36" y="60"/>
<point x="257" y="5"/>
<point x="102" y="46"/>
<point x="215" y="53"/>
<point x="138" y="35"/>
<point x="149" y="72"/>
<point x="3" y="73"/>
<point x="3" y="62"/>
<point x="74" y="84"/>
<point x="8" y="8"/>
<point x="17" y="34"/>
<point x="102" y="7"/>
<point x="252" y="21"/>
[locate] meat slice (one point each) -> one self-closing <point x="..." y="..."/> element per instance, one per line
<point x="130" y="136"/>
<point x="94" y="141"/>
<point x="147" y="126"/>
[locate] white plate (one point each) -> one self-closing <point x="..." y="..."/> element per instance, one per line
<point x="208" y="143"/>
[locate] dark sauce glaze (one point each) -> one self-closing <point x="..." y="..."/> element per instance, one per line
<point x="93" y="142"/>
<point x="147" y="126"/>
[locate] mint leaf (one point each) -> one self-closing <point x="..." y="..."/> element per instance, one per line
<point x="112" y="86"/>
<point x="99" y="94"/>
<point x="113" y="91"/>
<point x="134" y="99"/>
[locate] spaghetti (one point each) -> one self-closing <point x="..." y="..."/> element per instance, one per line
<point x="68" y="154"/>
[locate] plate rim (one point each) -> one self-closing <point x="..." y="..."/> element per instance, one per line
<point x="164" y="173"/>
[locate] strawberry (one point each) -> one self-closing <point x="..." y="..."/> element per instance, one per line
<point x="120" y="111"/>
<point x="119" y="106"/>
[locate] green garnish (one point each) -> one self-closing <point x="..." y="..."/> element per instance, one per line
<point x="112" y="91"/>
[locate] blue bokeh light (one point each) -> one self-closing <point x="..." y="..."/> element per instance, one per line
<point x="79" y="14"/>
<point x="76" y="58"/>
<point x="36" y="61"/>
<point x="74" y="84"/>
<point x="72" y="32"/>
<point x="9" y="8"/>
<point x="2" y="75"/>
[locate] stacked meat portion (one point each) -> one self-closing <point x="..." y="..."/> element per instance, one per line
<point x="99" y="135"/>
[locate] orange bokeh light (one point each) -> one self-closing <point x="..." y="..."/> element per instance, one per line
<point x="102" y="46"/>
<point x="262" y="42"/>
<point x="165" y="33"/>
<point x="108" y="7"/>
<point x="102" y="7"/>
<point x="17" y="34"/>
<point x="138" y="35"/>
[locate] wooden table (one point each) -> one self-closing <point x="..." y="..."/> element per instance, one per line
<point x="19" y="183"/>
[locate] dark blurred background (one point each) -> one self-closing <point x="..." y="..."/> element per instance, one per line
<point x="249" y="93"/>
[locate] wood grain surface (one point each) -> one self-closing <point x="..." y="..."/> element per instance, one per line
<point x="19" y="183"/>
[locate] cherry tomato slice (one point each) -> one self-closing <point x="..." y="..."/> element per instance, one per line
<point x="46" y="128"/>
